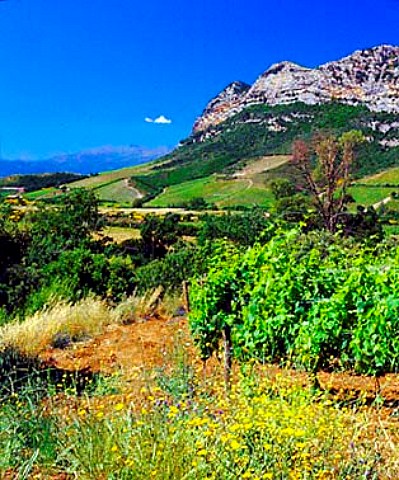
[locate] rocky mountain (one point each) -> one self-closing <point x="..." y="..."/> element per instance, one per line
<point x="223" y="105"/>
<point x="85" y="162"/>
<point x="367" y="77"/>
<point x="287" y="102"/>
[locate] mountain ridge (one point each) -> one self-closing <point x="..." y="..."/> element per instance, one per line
<point x="84" y="162"/>
<point x="367" y="77"/>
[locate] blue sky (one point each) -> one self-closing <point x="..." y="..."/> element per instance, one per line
<point x="78" y="74"/>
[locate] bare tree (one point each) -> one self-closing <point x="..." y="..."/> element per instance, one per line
<point x="327" y="179"/>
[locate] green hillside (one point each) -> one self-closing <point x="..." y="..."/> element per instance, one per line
<point x="247" y="186"/>
<point x="366" y="196"/>
<point x="236" y="149"/>
<point x="111" y="186"/>
<point x="246" y="135"/>
<point x="214" y="190"/>
<point x="101" y="179"/>
<point x="117" y="191"/>
<point x="387" y="177"/>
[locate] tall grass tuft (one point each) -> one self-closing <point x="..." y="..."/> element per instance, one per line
<point x="35" y="334"/>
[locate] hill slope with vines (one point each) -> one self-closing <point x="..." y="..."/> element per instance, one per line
<point x="268" y="130"/>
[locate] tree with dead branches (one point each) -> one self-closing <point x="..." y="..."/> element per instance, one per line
<point x="325" y="164"/>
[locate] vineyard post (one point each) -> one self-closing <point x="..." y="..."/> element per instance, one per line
<point x="227" y="355"/>
<point x="186" y="296"/>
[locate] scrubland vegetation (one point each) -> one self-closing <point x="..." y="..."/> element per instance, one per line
<point x="182" y="426"/>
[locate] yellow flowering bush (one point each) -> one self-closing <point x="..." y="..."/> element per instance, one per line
<point x="261" y="429"/>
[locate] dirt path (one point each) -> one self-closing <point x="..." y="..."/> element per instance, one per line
<point x="135" y="191"/>
<point x="384" y="201"/>
<point x="139" y="346"/>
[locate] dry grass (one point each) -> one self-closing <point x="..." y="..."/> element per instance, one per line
<point x="154" y="303"/>
<point x="119" y="234"/>
<point x="262" y="164"/>
<point x="35" y="334"/>
<point x="86" y="318"/>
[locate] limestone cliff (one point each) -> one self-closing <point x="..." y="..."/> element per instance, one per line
<point x="367" y="77"/>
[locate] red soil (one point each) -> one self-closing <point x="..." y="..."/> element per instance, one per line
<point x="146" y="344"/>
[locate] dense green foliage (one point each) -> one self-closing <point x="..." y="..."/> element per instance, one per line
<point x="51" y="255"/>
<point x="158" y="235"/>
<point x="37" y="182"/>
<point x="244" y="228"/>
<point x="171" y="260"/>
<point x="312" y="300"/>
<point x="182" y="263"/>
<point x="246" y="136"/>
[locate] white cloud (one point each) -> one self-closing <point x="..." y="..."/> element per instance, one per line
<point x="161" y="119"/>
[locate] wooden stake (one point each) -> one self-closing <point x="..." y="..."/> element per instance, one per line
<point x="186" y="296"/>
<point x="227" y="355"/>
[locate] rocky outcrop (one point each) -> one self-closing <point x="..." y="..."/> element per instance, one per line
<point x="367" y="77"/>
<point x="222" y="106"/>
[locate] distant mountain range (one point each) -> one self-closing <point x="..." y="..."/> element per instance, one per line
<point x="85" y="162"/>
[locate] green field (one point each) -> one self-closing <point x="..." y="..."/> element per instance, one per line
<point x="110" y="186"/>
<point x="214" y="190"/>
<point x="251" y="196"/>
<point x="112" y="176"/>
<point x="44" y="192"/>
<point x="390" y="176"/>
<point x="369" y="195"/>
<point x="393" y="205"/>
<point x="117" y="191"/>
<point x="391" y="229"/>
<point x="247" y="186"/>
